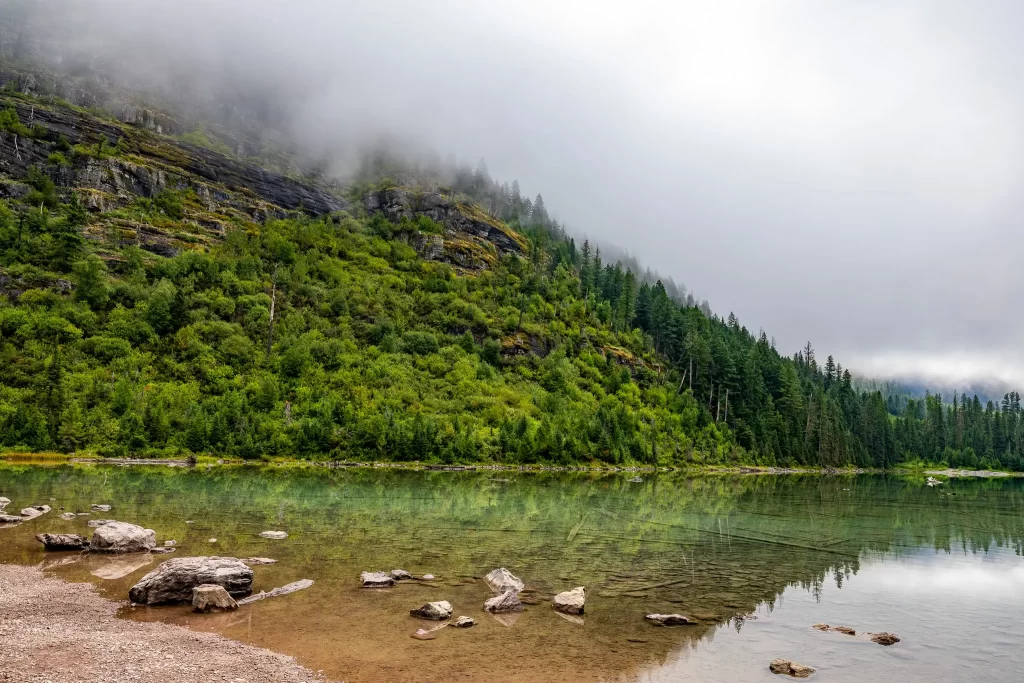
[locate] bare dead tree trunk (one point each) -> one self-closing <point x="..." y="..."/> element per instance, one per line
<point x="691" y="374"/>
<point x="273" y="302"/>
<point x="727" y="405"/>
<point x="682" y="383"/>
<point x="17" y="151"/>
<point x="718" y="412"/>
<point x="287" y="412"/>
<point x="32" y="115"/>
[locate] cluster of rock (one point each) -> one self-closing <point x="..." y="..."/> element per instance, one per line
<point x="670" y="620"/>
<point x="789" y="668"/>
<point x="25" y="514"/>
<point x="882" y="638"/>
<point x="387" y="579"/>
<point x="507" y="588"/>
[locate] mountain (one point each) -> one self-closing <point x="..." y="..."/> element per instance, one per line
<point x="165" y="294"/>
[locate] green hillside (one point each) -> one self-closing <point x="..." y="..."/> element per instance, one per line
<point x="161" y="296"/>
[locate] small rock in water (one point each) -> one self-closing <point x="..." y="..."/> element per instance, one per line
<point x="464" y="622"/>
<point x="259" y="560"/>
<point x="884" y="638"/>
<point x="502" y="580"/>
<point x="571" y="602"/>
<point x="68" y="516"/>
<point x="784" y="666"/>
<point x="100" y="508"/>
<point x="636" y="480"/>
<point x="170" y="543"/>
<point x="11" y="519"/>
<point x="845" y="629"/>
<point x="669" y="619"/>
<point x="162" y="551"/>
<point x="506" y="602"/>
<point x="422" y="634"/>
<point x="400" y="575"/>
<point x="63" y="541"/>
<point x="428" y="577"/>
<point x="34" y="511"/>
<point x="822" y="627"/>
<point x="212" y="540"/>
<point x="438" y="611"/>
<point x="376" y="580"/>
<point x="4" y="502"/>
<point x="121" y="537"/>
<point x="210" y="597"/>
<point x="94" y="523"/>
<point x="275" y="535"/>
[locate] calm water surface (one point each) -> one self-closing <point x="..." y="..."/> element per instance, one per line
<point x="939" y="566"/>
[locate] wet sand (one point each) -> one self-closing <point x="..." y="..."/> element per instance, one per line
<point x="63" y="632"/>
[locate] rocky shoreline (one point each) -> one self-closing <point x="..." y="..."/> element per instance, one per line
<point x="66" y="633"/>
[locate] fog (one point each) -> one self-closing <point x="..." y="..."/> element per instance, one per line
<point x="843" y="172"/>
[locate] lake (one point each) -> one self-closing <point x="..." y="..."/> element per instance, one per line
<point x="756" y="559"/>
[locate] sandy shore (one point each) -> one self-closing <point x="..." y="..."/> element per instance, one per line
<point x="63" y="632"/>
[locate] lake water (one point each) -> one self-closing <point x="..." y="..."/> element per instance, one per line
<point x="939" y="566"/>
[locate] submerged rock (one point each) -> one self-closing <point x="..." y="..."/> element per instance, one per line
<point x="11" y="519"/>
<point x="884" y="638"/>
<point x="122" y="537"/>
<point x="376" y="580"/>
<point x="113" y="567"/>
<point x="63" y="541"/>
<point x="174" y="580"/>
<point x="669" y="619"/>
<point x="255" y="561"/>
<point x="210" y="597"/>
<point x="571" y="602"/>
<point x="784" y="666"/>
<point x="274" y="535"/>
<point x="277" y="592"/>
<point x="464" y="622"/>
<point x="839" y="629"/>
<point x="400" y="575"/>
<point x="68" y="516"/>
<point x="162" y="551"/>
<point x="94" y="523"/>
<point x="506" y="602"/>
<point x="99" y="508"/>
<point x="438" y="611"/>
<point x="502" y="580"/>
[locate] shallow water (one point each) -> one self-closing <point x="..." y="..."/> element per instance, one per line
<point x="939" y="566"/>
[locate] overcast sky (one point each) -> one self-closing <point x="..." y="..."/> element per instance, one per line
<point x="843" y="172"/>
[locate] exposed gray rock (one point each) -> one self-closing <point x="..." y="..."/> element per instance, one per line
<point x="275" y="535"/>
<point x="400" y="575"/>
<point x="254" y="561"/>
<point x="4" y="502"/>
<point x="63" y="541"/>
<point x="784" y="666"/>
<point x="571" y="602"/>
<point x="162" y="551"/>
<point x="68" y="516"/>
<point x="438" y="611"/>
<point x="34" y="511"/>
<point x="669" y="619"/>
<point x="211" y="597"/>
<point x="464" y="622"/>
<point x="122" y="537"/>
<point x="99" y="508"/>
<point x="277" y="592"/>
<point x="376" y="580"/>
<point x="506" y="602"/>
<point x="93" y="523"/>
<point x="174" y="580"/>
<point x="502" y="580"/>
<point x="170" y="543"/>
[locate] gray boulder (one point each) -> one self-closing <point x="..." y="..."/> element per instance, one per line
<point x="502" y="580"/>
<point x="669" y="619"/>
<point x="400" y="575"/>
<point x="438" y="611"/>
<point x="211" y="597"/>
<point x="571" y="602"/>
<point x="100" y="508"/>
<point x="174" y="580"/>
<point x="122" y="537"/>
<point x="63" y="541"/>
<point x="376" y="580"/>
<point x="34" y="511"/>
<point x="506" y="602"/>
<point x="275" y="535"/>
<point x="464" y="622"/>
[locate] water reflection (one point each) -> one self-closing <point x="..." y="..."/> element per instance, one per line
<point x="879" y="551"/>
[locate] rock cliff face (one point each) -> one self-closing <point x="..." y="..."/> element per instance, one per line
<point x="472" y="241"/>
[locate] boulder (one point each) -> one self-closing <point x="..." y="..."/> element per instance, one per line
<point x="34" y="511"/>
<point x="211" y="597"/>
<point x="669" y="619"/>
<point x="11" y="519"/>
<point x="784" y="666"/>
<point x="464" y="622"/>
<point x="4" y="502"/>
<point x="63" y="541"/>
<point x="400" y="575"/>
<point x="376" y="580"/>
<point x="884" y="638"/>
<point x="502" y="580"/>
<point x="174" y="580"/>
<point x="122" y="537"/>
<point x="571" y="602"/>
<point x="254" y="561"/>
<point x="275" y="535"/>
<point x="94" y="523"/>
<point x="170" y="543"/>
<point x="506" y="602"/>
<point x="433" y="610"/>
<point x="99" y="508"/>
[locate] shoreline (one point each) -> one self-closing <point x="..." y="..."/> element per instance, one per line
<point x="66" y="632"/>
<point x="54" y="459"/>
